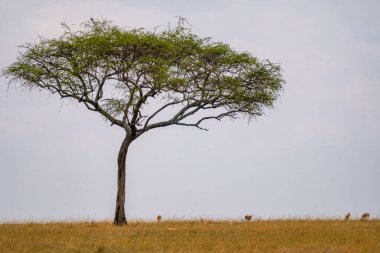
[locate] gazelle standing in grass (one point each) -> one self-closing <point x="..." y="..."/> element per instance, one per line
<point x="248" y="217"/>
<point x="365" y="216"/>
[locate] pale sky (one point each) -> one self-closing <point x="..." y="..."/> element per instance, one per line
<point x="315" y="155"/>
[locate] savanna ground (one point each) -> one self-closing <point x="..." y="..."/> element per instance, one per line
<point x="284" y="236"/>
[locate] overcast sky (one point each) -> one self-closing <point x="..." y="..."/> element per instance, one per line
<point x="315" y="155"/>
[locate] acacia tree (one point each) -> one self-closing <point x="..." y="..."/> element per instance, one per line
<point x="135" y="77"/>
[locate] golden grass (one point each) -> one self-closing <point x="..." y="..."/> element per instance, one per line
<point x="194" y="236"/>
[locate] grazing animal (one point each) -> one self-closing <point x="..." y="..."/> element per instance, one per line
<point x="365" y="216"/>
<point x="248" y="217"/>
<point x="158" y="218"/>
<point x="347" y="217"/>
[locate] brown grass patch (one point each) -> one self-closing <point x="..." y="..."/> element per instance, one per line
<point x="194" y="236"/>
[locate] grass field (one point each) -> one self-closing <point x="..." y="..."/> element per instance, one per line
<point x="284" y="236"/>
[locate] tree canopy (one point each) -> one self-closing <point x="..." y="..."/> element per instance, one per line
<point x="118" y="72"/>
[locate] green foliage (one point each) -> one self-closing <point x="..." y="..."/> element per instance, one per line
<point x="116" y="71"/>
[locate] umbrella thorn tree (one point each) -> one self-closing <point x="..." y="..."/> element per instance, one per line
<point x="135" y="77"/>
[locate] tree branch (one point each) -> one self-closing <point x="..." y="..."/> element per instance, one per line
<point x="162" y="108"/>
<point x="141" y="101"/>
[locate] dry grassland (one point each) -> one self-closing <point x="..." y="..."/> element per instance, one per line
<point x="284" y="236"/>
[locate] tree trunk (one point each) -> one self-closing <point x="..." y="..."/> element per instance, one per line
<point x="120" y="199"/>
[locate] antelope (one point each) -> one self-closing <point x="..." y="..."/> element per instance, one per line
<point x="248" y="217"/>
<point x="365" y="216"/>
<point x="347" y="217"/>
<point x="158" y="218"/>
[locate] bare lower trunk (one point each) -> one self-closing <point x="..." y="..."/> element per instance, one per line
<point x="120" y="199"/>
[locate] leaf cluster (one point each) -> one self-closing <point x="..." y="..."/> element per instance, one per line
<point x="117" y="71"/>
